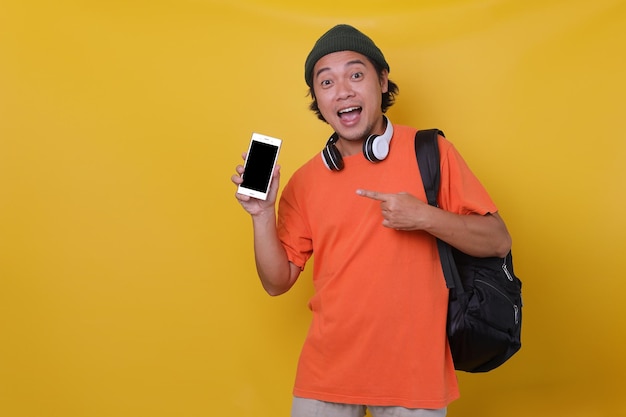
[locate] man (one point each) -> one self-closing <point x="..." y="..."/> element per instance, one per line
<point x="377" y="339"/>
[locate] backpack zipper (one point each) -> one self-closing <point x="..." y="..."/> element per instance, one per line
<point x="515" y="307"/>
<point x="506" y="271"/>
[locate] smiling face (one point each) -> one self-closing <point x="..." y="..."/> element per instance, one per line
<point x="348" y="90"/>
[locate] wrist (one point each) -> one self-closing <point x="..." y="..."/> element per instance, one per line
<point x="265" y="214"/>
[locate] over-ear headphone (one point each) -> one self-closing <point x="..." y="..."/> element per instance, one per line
<point x="375" y="148"/>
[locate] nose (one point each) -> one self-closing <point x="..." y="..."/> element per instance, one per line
<point x="344" y="89"/>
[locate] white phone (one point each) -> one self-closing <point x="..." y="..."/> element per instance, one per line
<point x="259" y="166"/>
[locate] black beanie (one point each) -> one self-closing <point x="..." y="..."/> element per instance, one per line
<point x="342" y="38"/>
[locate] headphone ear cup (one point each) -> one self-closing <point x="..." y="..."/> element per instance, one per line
<point x="332" y="157"/>
<point x="368" y="149"/>
<point x="375" y="148"/>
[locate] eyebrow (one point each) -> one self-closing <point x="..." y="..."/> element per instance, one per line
<point x="349" y="63"/>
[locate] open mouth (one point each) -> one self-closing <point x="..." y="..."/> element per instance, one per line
<point x="349" y="113"/>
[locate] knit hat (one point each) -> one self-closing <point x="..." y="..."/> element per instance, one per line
<point x="342" y="38"/>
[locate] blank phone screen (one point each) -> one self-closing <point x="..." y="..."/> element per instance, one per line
<point x="259" y="166"/>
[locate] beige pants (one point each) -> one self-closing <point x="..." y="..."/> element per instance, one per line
<point x="304" y="407"/>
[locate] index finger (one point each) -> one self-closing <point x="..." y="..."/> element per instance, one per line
<point x="374" y="195"/>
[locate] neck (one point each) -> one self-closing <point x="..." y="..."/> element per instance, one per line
<point x="351" y="147"/>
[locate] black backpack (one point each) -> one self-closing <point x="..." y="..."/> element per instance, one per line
<point x="485" y="304"/>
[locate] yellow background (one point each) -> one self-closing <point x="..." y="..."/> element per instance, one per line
<point x="127" y="283"/>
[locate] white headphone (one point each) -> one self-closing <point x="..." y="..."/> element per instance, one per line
<point x="375" y="148"/>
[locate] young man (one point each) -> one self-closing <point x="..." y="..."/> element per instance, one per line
<point x="378" y="334"/>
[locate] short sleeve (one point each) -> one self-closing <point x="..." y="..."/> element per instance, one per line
<point x="461" y="192"/>
<point x="293" y="230"/>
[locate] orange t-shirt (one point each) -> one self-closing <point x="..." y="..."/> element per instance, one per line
<point x="378" y="332"/>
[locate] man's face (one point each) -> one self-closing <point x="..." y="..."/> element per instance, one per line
<point x="349" y="92"/>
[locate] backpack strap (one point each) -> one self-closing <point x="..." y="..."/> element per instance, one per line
<point x="427" y="154"/>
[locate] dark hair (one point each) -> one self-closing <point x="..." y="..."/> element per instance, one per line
<point x="388" y="98"/>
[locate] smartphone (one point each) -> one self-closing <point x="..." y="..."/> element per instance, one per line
<point x="259" y="166"/>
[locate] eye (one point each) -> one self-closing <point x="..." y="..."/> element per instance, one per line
<point x="325" y="83"/>
<point x="357" y="75"/>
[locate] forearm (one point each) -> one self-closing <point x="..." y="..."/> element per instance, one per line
<point x="476" y="235"/>
<point x="273" y="266"/>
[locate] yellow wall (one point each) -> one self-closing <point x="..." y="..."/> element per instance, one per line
<point x="127" y="285"/>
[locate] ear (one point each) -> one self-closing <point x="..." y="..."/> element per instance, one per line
<point x="384" y="81"/>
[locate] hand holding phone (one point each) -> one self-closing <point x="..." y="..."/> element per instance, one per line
<point x="259" y="166"/>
